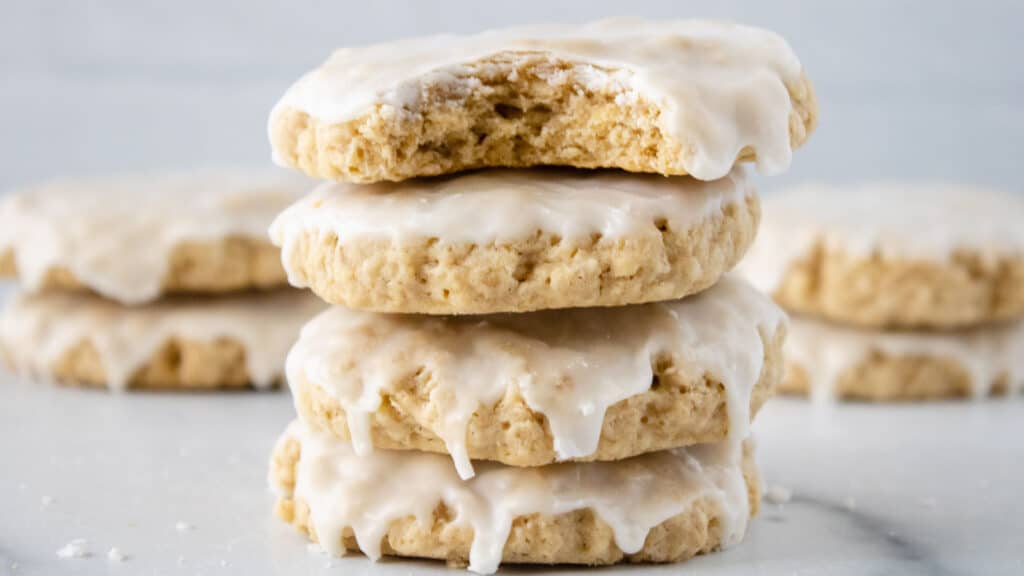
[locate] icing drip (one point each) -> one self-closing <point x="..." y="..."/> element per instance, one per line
<point x="477" y="207"/>
<point x="986" y="353"/>
<point x="116" y="234"/>
<point x="37" y="330"/>
<point x="720" y="87"/>
<point x="367" y="493"/>
<point x="569" y="365"/>
<point x="890" y="220"/>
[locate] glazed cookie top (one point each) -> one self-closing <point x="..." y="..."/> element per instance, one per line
<point x="569" y="365"/>
<point x="36" y="330"/>
<point x="894" y="221"/>
<point x="893" y="255"/>
<point x="987" y="353"/>
<point x="508" y="205"/>
<point x="720" y="87"/>
<point x="632" y="496"/>
<point x="116" y="234"/>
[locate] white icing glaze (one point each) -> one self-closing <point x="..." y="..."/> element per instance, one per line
<point x="368" y="493"/>
<point x="986" y="353"/>
<point x="720" y="86"/>
<point x="36" y="330"/>
<point x="116" y="234"/>
<point x="570" y="365"/>
<point x="909" y="221"/>
<point x="508" y="205"/>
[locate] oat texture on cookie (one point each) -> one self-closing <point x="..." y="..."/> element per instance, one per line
<point x="526" y="238"/>
<point x="908" y="291"/>
<point x="668" y="97"/>
<point x="531" y="389"/>
<point x="665" y="506"/>
<point x="516" y="240"/>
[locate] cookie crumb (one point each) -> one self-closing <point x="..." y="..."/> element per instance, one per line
<point x="116" y="555"/>
<point x="778" y="494"/>
<point x="77" y="548"/>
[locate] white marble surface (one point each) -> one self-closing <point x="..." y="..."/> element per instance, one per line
<point x="876" y="490"/>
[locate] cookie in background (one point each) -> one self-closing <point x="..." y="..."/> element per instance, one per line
<point x="150" y="280"/>
<point x="899" y="291"/>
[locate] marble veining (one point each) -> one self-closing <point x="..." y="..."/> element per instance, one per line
<point x="876" y="490"/>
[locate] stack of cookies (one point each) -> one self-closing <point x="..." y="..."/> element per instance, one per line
<point x="527" y="363"/>
<point x="150" y="281"/>
<point x="903" y="291"/>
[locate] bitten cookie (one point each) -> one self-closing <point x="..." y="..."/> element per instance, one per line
<point x="134" y="238"/>
<point x="670" y="97"/>
<point x="660" y="507"/>
<point x="834" y="361"/>
<point x="531" y="389"/>
<point x="516" y="240"/>
<point x="893" y="255"/>
<point x="211" y="342"/>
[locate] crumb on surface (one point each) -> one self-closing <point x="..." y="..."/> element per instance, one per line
<point x="116" y="555"/>
<point x="777" y="494"/>
<point x="77" y="548"/>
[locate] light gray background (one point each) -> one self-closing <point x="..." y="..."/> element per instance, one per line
<point x="927" y="89"/>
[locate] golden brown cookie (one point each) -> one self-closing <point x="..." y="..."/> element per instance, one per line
<point x="893" y="255"/>
<point x="669" y="97"/>
<point x="661" y="507"/>
<point x="531" y="389"/>
<point x="222" y="265"/>
<point x="134" y="238"/>
<point x="516" y="241"/>
<point x="864" y="364"/>
<point x="179" y="343"/>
